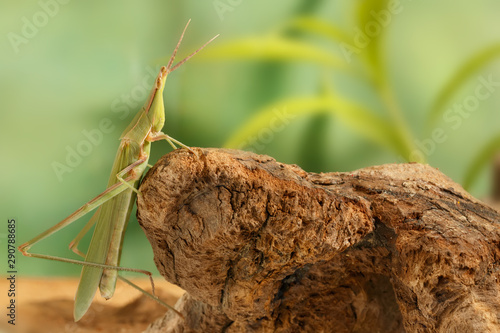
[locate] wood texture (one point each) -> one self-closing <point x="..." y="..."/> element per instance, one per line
<point x="262" y="246"/>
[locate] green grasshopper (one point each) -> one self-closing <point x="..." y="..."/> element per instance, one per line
<point x="101" y="264"/>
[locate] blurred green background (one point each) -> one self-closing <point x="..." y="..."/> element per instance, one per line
<point x="328" y="85"/>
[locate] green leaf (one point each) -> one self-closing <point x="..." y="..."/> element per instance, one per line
<point x="323" y="28"/>
<point x="485" y="156"/>
<point x="391" y="133"/>
<point x="368" y="11"/>
<point x="359" y="118"/>
<point x="378" y="14"/>
<point x="284" y="111"/>
<point x="369" y="125"/>
<point x="464" y="73"/>
<point x="271" y="48"/>
<point x="365" y="18"/>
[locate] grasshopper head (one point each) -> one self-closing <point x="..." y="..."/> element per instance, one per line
<point x="157" y="109"/>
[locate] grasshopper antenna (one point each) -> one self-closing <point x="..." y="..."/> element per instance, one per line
<point x="169" y="66"/>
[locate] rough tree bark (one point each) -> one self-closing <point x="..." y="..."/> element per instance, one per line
<point x="262" y="246"/>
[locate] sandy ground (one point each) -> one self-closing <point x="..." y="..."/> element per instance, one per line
<point x="46" y="305"/>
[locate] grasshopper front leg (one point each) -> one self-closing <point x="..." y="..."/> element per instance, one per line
<point x="162" y="136"/>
